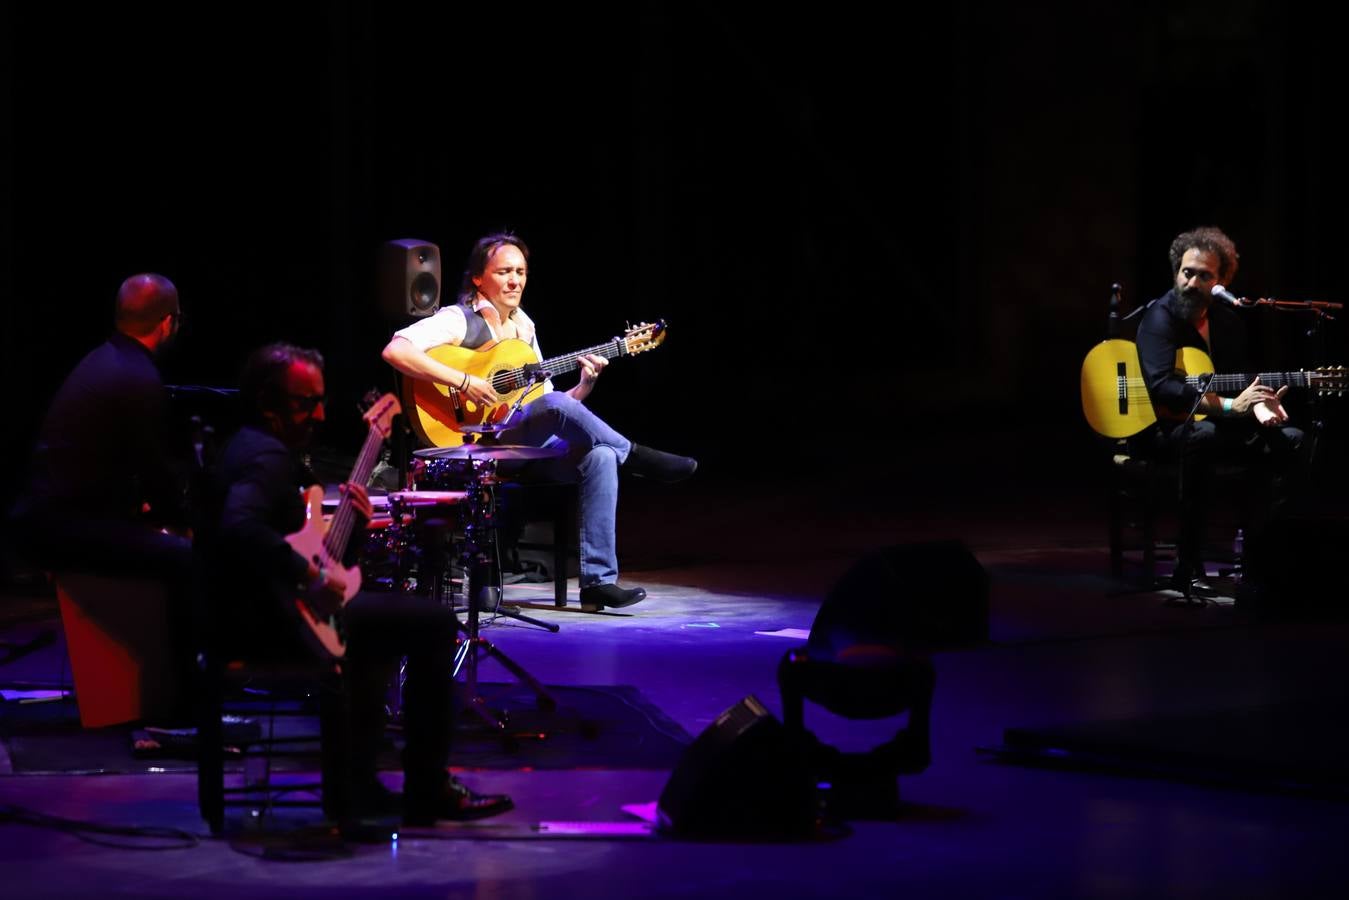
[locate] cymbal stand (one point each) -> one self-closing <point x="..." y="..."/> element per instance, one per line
<point x="476" y="554"/>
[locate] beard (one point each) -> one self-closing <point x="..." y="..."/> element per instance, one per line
<point x="1191" y="302"/>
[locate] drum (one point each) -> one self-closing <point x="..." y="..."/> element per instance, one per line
<point x="449" y="474"/>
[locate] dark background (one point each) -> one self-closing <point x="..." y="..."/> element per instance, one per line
<point x="883" y="241"/>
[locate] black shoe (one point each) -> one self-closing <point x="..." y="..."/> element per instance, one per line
<point x="598" y="596"/>
<point x="659" y="465"/>
<point x="1192" y="586"/>
<point x="455" y="803"/>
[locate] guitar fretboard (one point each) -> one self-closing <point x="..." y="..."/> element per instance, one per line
<point x="1239" y="382"/>
<point x="514" y="379"/>
<point x="344" y="520"/>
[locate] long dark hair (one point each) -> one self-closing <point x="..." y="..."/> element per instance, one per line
<point x="479" y="256"/>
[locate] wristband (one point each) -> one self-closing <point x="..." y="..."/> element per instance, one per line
<point x="1227" y="406"/>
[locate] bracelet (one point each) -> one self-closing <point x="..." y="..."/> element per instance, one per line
<point x="464" y="385"/>
<point x="1227" y="406"/>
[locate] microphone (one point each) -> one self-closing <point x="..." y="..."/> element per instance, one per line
<point x="1227" y="296"/>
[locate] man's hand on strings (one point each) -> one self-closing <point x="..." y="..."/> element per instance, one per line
<point x="360" y="499"/>
<point x="480" y="391"/>
<point x="1254" y="394"/>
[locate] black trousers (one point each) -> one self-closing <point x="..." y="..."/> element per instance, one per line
<point x="382" y="630"/>
<point x="1270" y="454"/>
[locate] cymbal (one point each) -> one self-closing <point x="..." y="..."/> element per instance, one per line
<point x="490" y="451"/>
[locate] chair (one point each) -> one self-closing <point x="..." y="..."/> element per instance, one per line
<point x="540" y="519"/>
<point x="285" y="693"/>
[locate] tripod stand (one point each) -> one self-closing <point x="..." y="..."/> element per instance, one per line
<point x="478" y="552"/>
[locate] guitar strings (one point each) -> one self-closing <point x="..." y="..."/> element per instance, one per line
<point x="339" y="531"/>
<point x="1292" y="379"/>
<point x="559" y="365"/>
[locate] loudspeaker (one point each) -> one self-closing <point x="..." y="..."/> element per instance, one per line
<point x="932" y="594"/>
<point x="409" y="279"/>
<point x="741" y="778"/>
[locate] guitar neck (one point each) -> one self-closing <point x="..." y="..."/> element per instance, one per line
<point x="1239" y="382"/>
<point x="344" y="520"/>
<point x="561" y="365"/>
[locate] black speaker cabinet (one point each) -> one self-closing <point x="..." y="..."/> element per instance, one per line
<point x="741" y="778"/>
<point x="409" y="279"/>
<point x="932" y="593"/>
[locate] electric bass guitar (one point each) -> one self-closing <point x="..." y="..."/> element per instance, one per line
<point x="439" y="413"/>
<point x="325" y="543"/>
<point x="1115" y="399"/>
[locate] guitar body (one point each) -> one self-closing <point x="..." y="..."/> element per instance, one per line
<point x="437" y="420"/>
<point x="325" y="633"/>
<point x="1114" y="396"/>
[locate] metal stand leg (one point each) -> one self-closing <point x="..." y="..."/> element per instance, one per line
<point x="478" y="551"/>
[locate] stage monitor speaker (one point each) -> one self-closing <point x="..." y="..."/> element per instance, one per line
<point x="741" y="778"/>
<point x="931" y="594"/>
<point x="409" y="279"/>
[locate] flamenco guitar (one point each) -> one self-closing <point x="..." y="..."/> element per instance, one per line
<point x="1115" y="398"/>
<point x="512" y="368"/>
<point x="325" y="543"/>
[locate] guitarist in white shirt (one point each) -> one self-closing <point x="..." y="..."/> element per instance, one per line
<point x="1251" y="426"/>
<point x="489" y="310"/>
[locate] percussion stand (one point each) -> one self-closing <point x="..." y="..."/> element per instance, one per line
<point x="478" y="550"/>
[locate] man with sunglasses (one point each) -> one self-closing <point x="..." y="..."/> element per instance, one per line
<point x="253" y="574"/>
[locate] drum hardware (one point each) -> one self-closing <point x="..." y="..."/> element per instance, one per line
<point x="477" y="556"/>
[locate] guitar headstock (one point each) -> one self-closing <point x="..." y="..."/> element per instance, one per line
<point x="1330" y="381"/>
<point x="380" y="414"/>
<point x="643" y="337"/>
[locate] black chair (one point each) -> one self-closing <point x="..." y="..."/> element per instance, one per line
<point x="278" y="702"/>
<point x="1143" y="499"/>
<point x="538" y="528"/>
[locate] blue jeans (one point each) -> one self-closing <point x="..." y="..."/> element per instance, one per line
<point x="594" y="453"/>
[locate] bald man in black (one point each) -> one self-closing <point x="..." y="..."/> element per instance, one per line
<point x="101" y="484"/>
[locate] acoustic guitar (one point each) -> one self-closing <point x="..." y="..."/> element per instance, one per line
<point x="324" y="543"/>
<point x="1115" y="398"/>
<point x="438" y="413"/>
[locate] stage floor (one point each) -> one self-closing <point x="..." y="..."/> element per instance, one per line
<point x="730" y="568"/>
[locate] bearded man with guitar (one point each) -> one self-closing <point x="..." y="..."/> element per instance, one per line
<point x="274" y="591"/>
<point x="487" y="318"/>
<point x="1251" y="426"/>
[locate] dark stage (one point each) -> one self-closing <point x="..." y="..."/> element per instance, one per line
<point x="882" y="252"/>
<point x="1069" y="649"/>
